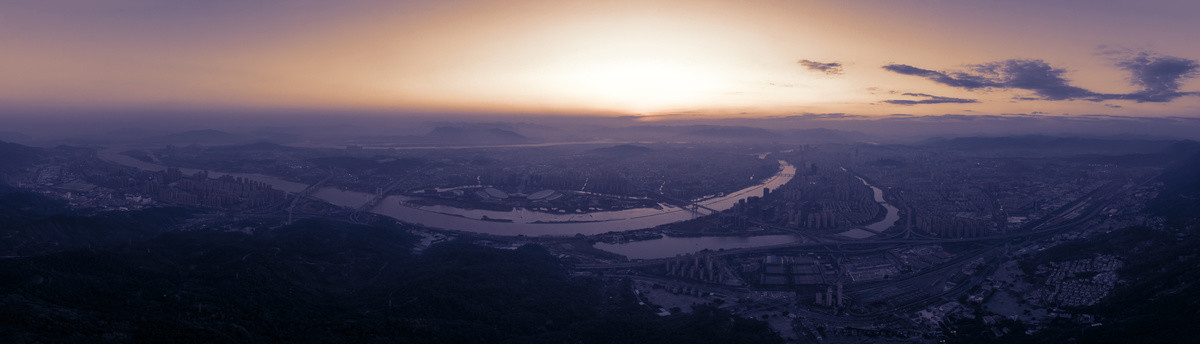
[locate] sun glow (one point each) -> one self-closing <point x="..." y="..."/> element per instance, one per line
<point x="610" y="58"/>
<point x="630" y="61"/>
<point x="633" y="83"/>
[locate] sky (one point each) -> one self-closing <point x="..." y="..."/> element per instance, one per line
<point x="653" y="58"/>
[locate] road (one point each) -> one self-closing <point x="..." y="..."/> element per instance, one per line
<point x="302" y="194"/>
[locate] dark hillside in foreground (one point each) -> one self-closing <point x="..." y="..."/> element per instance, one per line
<point x="32" y="224"/>
<point x="1158" y="304"/>
<point x="1179" y="201"/>
<point x="321" y="281"/>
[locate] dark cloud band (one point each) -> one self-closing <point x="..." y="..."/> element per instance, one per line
<point x="1159" y="77"/>
<point x="930" y="99"/>
<point x="831" y="68"/>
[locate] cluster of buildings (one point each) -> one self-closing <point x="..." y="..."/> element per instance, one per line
<point x="874" y="267"/>
<point x="71" y="185"/>
<point x="829" y="299"/>
<point x="90" y="183"/>
<point x="674" y="170"/>
<point x="920" y="257"/>
<point x="1074" y="283"/>
<point x="224" y="192"/>
<point x="816" y="198"/>
<point x="955" y="194"/>
<point x="545" y="200"/>
<point x="794" y="270"/>
<point x="702" y="267"/>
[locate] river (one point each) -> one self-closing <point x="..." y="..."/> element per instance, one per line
<point x="889" y="219"/>
<point x="671" y="246"/>
<point x="524" y="222"/>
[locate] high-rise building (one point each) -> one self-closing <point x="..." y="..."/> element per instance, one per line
<point x="829" y="296"/>
<point x="840" y="298"/>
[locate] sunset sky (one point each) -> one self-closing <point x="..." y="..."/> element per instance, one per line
<point x="712" y="58"/>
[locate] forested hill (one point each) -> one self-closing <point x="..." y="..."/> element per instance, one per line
<point x="322" y="281"/>
<point x="1179" y="201"/>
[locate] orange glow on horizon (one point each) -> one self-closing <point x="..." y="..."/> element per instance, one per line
<point x="512" y="56"/>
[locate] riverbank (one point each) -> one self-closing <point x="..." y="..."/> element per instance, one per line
<point x="522" y="221"/>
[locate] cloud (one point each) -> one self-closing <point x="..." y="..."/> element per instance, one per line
<point x="1159" y="77"/>
<point x="835" y="115"/>
<point x="1035" y="75"/>
<point x="962" y="80"/>
<point x="831" y="68"/>
<point x="956" y="117"/>
<point x="930" y="99"/>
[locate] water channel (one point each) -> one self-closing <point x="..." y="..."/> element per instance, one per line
<point x="671" y="246"/>
<point x="531" y="223"/>
<point x="889" y="218"/>
<point x="523" y="221"/>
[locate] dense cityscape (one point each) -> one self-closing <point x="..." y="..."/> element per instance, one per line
<point x="949" y="240"/>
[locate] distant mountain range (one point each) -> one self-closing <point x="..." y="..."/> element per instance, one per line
<point x="732" y="132"/>
<point x="723" y="133"/>
<point x="448" y="135"/>
<point x="1061" y="145"/>
<point x="14" y="156"/>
